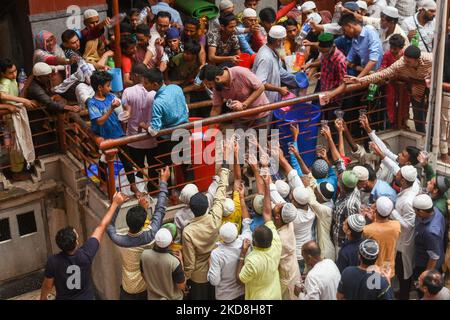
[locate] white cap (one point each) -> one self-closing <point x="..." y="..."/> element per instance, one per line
<point x="301" y="195"/>
<point x="258" y="204"/>
<point x="282" y="188"/>
<point x="390" y="12"/>
<point x="384" y="206"/>
<point x="362" y="5"/>
<point x="228" y="232"/>
<point x="187" y="192"/>
<point x="361" y="172"/>
<point x="249" y="13"/>
<point x="356" y="222"/>
<point x="423" y="202"/>
<point x="308" y="5"/>
<point x="163" y="238"/>
<point x="427" y="5"/>
<point x="288" y="213"/>
<point x="277" y="32"/>
<point x="316" y="17"/>
<point x="89" y="13"/>
<point x="228" y="207"/>
<point x="409" y="173"/>
<point x="41" y="69"/>
<point x="225" y="4"/>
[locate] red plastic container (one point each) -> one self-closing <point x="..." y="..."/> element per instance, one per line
<point x="246" y="60"/>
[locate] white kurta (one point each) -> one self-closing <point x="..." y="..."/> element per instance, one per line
<point x="322" y="281"/>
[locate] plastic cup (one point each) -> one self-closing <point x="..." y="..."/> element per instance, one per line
<point x="339" y="114"/>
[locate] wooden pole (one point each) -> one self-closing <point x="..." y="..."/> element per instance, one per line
<point x="117" y="51"/>
<point x="111" y="182"/>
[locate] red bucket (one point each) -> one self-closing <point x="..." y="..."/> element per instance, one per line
<point x="246" y="60"/>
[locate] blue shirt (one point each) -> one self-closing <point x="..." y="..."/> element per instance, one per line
<point x="162" y="6"/>
<point x="169" y="108"/>
<point x="257" y="221"/>
<point x="244" y="42"/>
<point x="349" y="254"/>
<point x="367" y="46"/>
<point x="111" y="129"/>
<point x="382" y="189"/>
<point x="429" y="239"/>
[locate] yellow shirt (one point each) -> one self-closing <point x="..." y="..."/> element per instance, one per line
<point x="236" y="216"/>
<point x="260" y="272"/>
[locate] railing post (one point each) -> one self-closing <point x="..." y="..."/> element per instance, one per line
<point x="111" y="181"/>
<point x="61" y="132"/>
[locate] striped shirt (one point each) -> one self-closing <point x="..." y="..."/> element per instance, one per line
<point x="345" y="206"/>
<point x="400" y="70"/>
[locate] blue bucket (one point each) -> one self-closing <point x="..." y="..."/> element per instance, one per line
<point x="117" y="82"/>
<point x="307" y="116"/>
<point x="302" y="80"/>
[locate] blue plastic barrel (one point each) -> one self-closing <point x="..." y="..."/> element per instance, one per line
<point x="307" y="116"/>
<point x="117" y="82"/>
<point x="92" y="171"/>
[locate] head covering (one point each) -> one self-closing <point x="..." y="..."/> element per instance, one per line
<point x="326" y="40"/>
<point x="409" y="173"/>
<point x="390" y="12"/>
<point x="277" y="32"/>
<point x="427" y="5"/>
<point x="301" y="195"/>
<point x="288" y="213"/>
<point x="228" y="232"/>
<point x="198" y="204"/>
<point x="40" y="41"/>
<point x="41" y="69"/>
<point x="187" y="192"/>
<point x="163" y="238"/>
<point x="225" y="4"/>
<point x="422" y="202"/>
<point x="326" y="189"/>
<point x="172" y="33"/>
<point x="442" y="183"/>
<point x="361" y="172"/>
<point x="412" y="52"/>
<point x="315" y="16"/>
<point x="249" y="13"/>
<point x="362" y="5"/>
<point x="172" y="228"/>
<point x="228" y="207"/>
<point x="369" y="249"/>
<point x="351" y="5"/>
<point x="384" y="206"/>
<point x="89" y="13"/>
<point x="308" y="5"/>
<point x="282" y="188"/>
<point x="356" y="222"/>
<point x="258" y="204"/>
<point x="320" y="169"/>
<point x="349" y="179"/>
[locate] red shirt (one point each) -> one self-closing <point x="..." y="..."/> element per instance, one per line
<point x="127" y="64"/>
<point x="389" y="59"/>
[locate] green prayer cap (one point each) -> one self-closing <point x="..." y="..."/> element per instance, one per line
<point x="172" y="228"/>
<point x="326" y="40"/>
<point x="349" y="179"/>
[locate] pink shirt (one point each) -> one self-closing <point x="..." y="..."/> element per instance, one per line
<point x="242" y="84"/>
<point x="141" y="103"/>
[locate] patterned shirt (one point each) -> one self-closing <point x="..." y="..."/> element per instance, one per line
<point x="346" y="205"/>
<point x="227" y="48"/>
<point x="333" y="70"/>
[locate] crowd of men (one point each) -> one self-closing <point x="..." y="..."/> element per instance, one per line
<point x="346" y="227"/>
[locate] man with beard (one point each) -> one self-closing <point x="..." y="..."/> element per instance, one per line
<point x="423" y="23"/>
<point x="368" y="182"/>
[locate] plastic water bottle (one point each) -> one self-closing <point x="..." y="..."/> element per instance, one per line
<point x="372" y="91"/>
<point x="143" y="15"/>
<point x="84" y="67"/>
<point x="117" y="19"/>
<point x="303" y="33"/>
<point x="415" y="40"/>
<point x="21" y="79"/>
<point x="300" y="57"/>
<point x="110" y="62"/>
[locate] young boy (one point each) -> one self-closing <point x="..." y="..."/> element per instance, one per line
<point x="105" y="122"/>
<point x="128" y="45"/>
<point x="183" y="67"/>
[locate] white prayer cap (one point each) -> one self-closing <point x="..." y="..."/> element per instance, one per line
<point x="89" y="13"/>
<point x="225" y="4"/>
<point x="249" y="13"/>
<point x="258" y="204"/>
<point x="423" y="202"/>
<point x="228" y="207"/>
<point x="427" y="5"/>
<point x="409" y="173"/>
<point x="308" y="5"/>
<point x="163" y="238"/>
<point x="228" y="232"/>
<point x="288" y="213"/>
<point x="356" y="222"/>
<point x="282" y="188"/>
<point x="316" y="17"/>
<point x="277" y="32"/>
<point x="301" y="195"/>
<point x="187" y="192"/>
<point x="390" y="12"/>
<point x="361" y="172"/>
<point x="384" y="206"/>
<point x="362" y="5"/>
<point x="41" y="69"/>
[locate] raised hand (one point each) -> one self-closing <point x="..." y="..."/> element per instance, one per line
<point x="119" y="198"/>
<point x="165" y="174"/>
